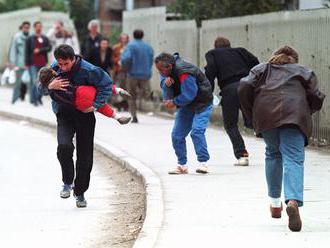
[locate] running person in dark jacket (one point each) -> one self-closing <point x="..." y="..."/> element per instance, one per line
<point x="229" y="65"/>
<point x="192" y="94"/>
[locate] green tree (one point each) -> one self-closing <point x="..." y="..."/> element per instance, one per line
<point x="11" y="5"/>
<point x="81" y="11"/>
<point x="211" y="9"/>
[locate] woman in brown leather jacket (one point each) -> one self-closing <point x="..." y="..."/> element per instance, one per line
<point x="279" y="97"/>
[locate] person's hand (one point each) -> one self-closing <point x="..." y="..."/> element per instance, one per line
<point x="59" y="84"/>
<point x="169" y="81"/>
<point x="169" y="104"/>
<point x="88" y="110"/>
<point x="124" y="93"/>
<point x="36" y="50"/>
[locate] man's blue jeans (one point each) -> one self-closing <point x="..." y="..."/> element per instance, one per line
<point x="35" y="95"/>
<point x="285" y="155"/>
<point x="186" y="121"/>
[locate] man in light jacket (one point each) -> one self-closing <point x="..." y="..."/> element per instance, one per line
<point x="16" y="59"/>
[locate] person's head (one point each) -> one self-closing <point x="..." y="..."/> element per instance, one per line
<point x="138" y="34"/>
<point x="124" y="38"/>
<point x="37" y="27"/>
<point x="25" y="27"/>
<point x="46" y="76"/>
<point x="58" y="26"/>
<point x="284" y="55"/>
<point x="93" y="26"/>
<point x="221" y="42"/>
<point x="104" y="44"/>
<point x="164" y="63"/>
<point x="65" y="56"/>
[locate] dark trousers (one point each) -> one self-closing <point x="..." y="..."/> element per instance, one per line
<point x="83" y="125"/>
<point x="230" y="112"/>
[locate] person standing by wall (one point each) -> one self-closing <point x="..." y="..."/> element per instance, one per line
<point x="92" y="41"/>
<point x="118" y="74"/>
<point x="279" y="98"/>
<point x="58" y="35"/>
<point x="192" y="95"/>
<point x="36" y="50"/>
<point x="102" y="56"/>
<point x="138" y="59"/>
<point x="17" y="59"/>
<point x="72" y="122"/>
<point x="229" y="65"/>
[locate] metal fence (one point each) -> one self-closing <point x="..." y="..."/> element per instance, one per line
<point x="307" y="31"/>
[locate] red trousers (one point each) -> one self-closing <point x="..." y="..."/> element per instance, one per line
<point x="85" y="96"/>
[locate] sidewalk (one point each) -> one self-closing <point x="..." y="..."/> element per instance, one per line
<point x="228" y="207"/>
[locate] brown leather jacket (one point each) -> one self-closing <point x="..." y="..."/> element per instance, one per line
<point x="276" y="95"/>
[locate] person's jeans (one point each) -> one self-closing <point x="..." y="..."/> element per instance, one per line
<point x="186" y="121"/>
<point x="35" y="95"/>
<point x="285" y="155"/>
<point x="230" y="112"/>
<point x="18" y="85"/>
<point x="137" y="88"/>
<point x="83" y="125"/>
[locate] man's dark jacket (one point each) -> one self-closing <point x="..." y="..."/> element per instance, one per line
<point x="30" y="46"/>
<point x="89" y="45"/>
<point x="228" y="65"/>
<point x="95" y="59"/>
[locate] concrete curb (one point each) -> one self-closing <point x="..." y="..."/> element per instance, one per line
<point x="152" y="183"/>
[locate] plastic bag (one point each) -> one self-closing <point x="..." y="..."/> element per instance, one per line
<point x="8" y="76"/>
<point x="26" y="77"/>
<point x="12" y="77"/>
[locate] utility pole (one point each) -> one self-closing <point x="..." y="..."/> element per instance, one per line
<point x="129" y="4"/>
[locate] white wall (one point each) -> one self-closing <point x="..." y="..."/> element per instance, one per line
<point x="310" y="4"/>
<point x="10" y="22"/>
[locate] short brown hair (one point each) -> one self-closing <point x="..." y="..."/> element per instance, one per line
<point x="221" y="42"/>
<point x="46" y="75"/>
<point x="284" y="55"/>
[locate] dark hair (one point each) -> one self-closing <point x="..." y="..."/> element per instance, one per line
<point x="36" y="23"/>
<point x="64" y="52"/>
<point x="284" y="55"/>
<point x="104" y="38"/>
<point x="46" y="75"/>
<point x="221" y="42"/>
<point x="138" y="34"/>
<point x="166" y="59"/>
<point x="25" y="23"/>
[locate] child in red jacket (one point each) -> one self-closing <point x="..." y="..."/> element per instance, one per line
<point x="82" y="96"/>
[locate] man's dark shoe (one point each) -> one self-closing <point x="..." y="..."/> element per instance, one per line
<point x="276" y="212"/>
<point x="294" y="218"/>
<point x="66" y="190"/>
<point x="81" y="201"/>
<point x="134" y="119"/>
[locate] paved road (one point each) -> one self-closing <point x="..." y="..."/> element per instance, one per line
<point x="31" y="211"/>
<point x="229" y="206"/>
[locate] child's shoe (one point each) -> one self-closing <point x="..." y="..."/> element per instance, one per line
<point x="124" y="120"/>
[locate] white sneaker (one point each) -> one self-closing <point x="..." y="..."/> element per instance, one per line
<point x="202" y="168"/>
<point x="242" y="161"/>
<point x="179" y="170"/>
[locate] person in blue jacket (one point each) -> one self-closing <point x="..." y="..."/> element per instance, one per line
<point x="73" y="69"/>
<point x="186" y="87"/>
<point x="137" y="59"/>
